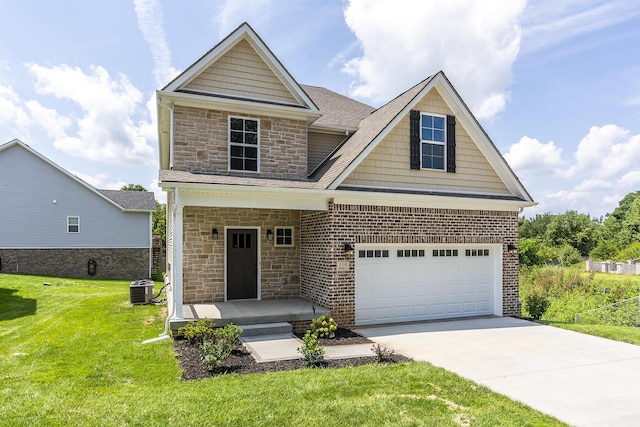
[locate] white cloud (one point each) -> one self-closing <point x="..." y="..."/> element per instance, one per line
<point x="13" y="114"/>
<point x="106" y="131"/>
<point x="159" y="193"/>
<point x="530" y="155"/>
<point x="601" y="171"/>
<point x="150" y="22"/>
<point x="549" y="23"/>
<point x="54" y="124"/>
<point x="474" y="43"/>
<point x="606" y="151"/>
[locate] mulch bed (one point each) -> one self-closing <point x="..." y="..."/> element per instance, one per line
<point x="241" y="362"/>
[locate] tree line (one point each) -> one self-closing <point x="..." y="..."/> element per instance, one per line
<point x="571" y="237"/>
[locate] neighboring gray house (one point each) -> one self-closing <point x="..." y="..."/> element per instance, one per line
<point x="53" y="223"/>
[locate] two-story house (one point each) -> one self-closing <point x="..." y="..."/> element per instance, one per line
<point x="54" y="224"/>
<point x="278" y="190"/>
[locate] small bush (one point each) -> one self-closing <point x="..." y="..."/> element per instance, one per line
<point x="198" y="331"/>
<point x="536" y="305"/>
<point x="311" y="350"/>
<point x="324" y="326"/>
<point x="383" y="354"/>
<point x="216" y="350"/>
<point x="213" y="353"/>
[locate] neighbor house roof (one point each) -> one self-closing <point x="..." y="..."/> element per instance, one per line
<point x="132" y="200"/>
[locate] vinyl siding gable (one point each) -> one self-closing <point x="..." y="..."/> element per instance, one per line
<point x="242" y="72"/>
<point x="388" y="165"/>
<point x="37" y="198"/>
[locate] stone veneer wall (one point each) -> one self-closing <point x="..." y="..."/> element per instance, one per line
<point x="203" y="265"/>
<point x="123" y="264"/>
<point x="201" y="141"/>
<point x="327" y="233"/>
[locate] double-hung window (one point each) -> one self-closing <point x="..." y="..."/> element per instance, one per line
<point x="432" y="141"/>
<point x="73" y="224"/>
<point x="244" y="144"/>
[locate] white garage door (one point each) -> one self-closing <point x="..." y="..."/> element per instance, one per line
<point x="425" y="282"/>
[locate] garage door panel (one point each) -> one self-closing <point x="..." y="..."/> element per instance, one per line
<point x="421" y="286"/>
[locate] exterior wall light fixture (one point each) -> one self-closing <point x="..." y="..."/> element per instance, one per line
<point x="348" y="249"/>
<point x="214" y="233"/>
<point x="512" y="248"/>
<point x="270" y="235"/>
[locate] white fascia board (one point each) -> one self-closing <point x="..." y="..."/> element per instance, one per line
<point x="251" y="197"/>
<point x="317" y="199"/>
<point x="238" y="105"/>
<point x="428" y="201"/>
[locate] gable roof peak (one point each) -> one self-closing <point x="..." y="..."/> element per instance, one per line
<point x="244" y="32"/>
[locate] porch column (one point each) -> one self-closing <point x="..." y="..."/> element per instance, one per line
<point x="177" y="262"/>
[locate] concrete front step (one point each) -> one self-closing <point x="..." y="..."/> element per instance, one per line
<point x="279" y="328"/>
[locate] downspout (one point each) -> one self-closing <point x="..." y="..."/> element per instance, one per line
<point x="150" y="243"/>
<point x="170" y="109"/>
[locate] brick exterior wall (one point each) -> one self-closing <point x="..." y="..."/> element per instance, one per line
<point x="324" y="235"/>
<point x="201" y="140"/>
<point x="203" y="257"/>
<point x="122" y="264"/>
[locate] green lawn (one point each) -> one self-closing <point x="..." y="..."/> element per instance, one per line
<point x="71" y="355"/>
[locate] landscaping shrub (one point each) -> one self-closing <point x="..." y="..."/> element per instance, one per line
<point x="536" y="305"/>
<point x="218" y="348"/>
<point x="324" y="326"/>
<point x="198" y="331"/>
<point x="383" y="354"/>
<point x="311" y="350"/>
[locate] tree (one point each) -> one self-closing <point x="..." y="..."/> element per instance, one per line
<point x="133" y="187"/>
<point x="574" y="229"/>
<point x="160" y="221"/>
<point x="606" y="249"/>
<point x="535" y="227"/>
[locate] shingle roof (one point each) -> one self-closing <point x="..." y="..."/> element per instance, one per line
<point x="132" y="200"/>
<point x="337" y="110"/>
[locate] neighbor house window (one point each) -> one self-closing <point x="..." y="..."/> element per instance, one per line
<point x="432" y="141"/>
<point x="244" y="142"/>
<point x="284" y="236"/>
<point x="73" y="224"/>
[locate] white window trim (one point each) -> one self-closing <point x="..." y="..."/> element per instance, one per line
<point x="275" y="237"/>
<point x="242" y="145"/>
<point x="424" y="141"/>
<point x="69" y="225"/>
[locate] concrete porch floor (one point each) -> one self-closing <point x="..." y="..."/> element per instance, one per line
<point x="250" y="312"/>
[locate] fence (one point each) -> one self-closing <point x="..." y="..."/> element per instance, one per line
<point x="621" y="313"/>
<point x="614" y="267"/>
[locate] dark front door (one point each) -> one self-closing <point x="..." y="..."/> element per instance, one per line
<point x="242" y="264"/>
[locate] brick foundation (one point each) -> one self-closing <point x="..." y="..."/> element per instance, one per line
<point x="122" y="264"/>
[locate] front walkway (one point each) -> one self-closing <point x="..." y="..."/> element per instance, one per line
<point x="249" y="312"/>
<point x="581" y="379"/>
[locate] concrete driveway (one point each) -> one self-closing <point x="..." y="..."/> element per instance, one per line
<point x="580" y="379"/>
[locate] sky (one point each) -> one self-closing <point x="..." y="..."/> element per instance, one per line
<point x="555" y="84"/>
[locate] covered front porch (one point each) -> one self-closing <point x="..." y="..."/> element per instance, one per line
<point x="250" y="312"/>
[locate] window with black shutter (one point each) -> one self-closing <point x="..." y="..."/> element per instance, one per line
<point x="432" y="141"/>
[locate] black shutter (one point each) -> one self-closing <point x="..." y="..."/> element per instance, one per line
<point x="414" y="139"/>
<point x="451" y="144"/>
